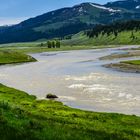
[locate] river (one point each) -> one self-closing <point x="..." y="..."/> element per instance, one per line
<point x="79" y="80"/>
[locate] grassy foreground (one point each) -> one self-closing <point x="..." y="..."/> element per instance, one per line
<point x="9" y="57"/>
<point x="25" y="118"/>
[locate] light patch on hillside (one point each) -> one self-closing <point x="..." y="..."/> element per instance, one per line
<point x="104" y="8"/>
<point x="138" y="7"/>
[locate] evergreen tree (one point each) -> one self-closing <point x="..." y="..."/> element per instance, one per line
<point x="132" y="35"/>
<point x="49" y="44"/>
<point x="115" y="34"/>
<point x="58" y="44"/>
<point x="41" y="44"/>
<point x="53" y="44"/>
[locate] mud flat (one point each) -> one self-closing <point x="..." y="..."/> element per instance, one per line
<point x="124" y="67"/>
<point x="78" y="79"/>
<point x="121" y="55"/>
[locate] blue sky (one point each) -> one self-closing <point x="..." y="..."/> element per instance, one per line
<point x="14" y="11"/>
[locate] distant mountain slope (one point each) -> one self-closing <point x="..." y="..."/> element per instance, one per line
<point x="133" y="5"/>
<point x="71" y="20"/>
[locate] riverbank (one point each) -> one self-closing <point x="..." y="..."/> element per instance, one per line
<point x="45" y="49"/>
<point x="126" y="66"/>
<point x="122" y="55"/>
<point x="10" y="57"/>
<point x="24" y="117"/>
<point x="35" y="47"/>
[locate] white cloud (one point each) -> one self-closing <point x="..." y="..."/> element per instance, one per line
<point x="11" y="21"/>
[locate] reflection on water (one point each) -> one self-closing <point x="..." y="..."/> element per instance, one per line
<point x="79" y="80"/>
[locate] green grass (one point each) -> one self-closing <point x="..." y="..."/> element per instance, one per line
<point x="37" y="49"/>
<point x="123" y="38"/>
<point x="25" y="118"/>
<point x="79" y="42"/>
<point x="44" y="49"/>
<point x="9" y="57"/>
<point x="132" y="62"/>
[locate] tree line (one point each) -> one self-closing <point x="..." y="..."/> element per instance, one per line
<point x="114" y="28"/>
<point x="52" y="44"/>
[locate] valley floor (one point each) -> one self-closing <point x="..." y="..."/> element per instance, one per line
<point x="24" y="117"/>
<point x="36" y="48"/>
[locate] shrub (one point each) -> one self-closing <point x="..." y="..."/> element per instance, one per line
<point x="5" y="105"/>
<point x="51" y="96"/>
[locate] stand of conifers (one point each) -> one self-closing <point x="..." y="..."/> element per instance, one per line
<point x="52" y="44"/>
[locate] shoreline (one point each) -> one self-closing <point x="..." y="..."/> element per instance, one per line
<point x="123" y="67"/>
<point x="23" y="114"/>
<point x="12" y="57"/>
<point x="37" y="49"/>
<point x="123" y="55"/>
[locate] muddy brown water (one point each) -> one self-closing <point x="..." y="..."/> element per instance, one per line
<point x="79" y="80"/>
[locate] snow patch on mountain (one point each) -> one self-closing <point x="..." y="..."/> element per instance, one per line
<point x="105" y="8"/>
<point x="138" y="7"/>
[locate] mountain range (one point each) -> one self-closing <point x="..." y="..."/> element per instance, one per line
<point x="70" y="20"/>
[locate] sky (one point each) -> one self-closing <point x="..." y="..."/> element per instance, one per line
<point x="15" y="11"/>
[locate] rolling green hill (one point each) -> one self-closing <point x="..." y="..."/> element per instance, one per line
<point x="125" y="33"/>
<point x="123" y="38"/>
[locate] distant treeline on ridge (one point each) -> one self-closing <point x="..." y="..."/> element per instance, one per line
<point x="114" y="28"/>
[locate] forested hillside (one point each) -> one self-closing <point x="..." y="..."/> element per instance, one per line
<point x="119" y="33"/>
<point x="115" y="29"/>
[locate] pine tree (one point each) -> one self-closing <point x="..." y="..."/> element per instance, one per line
<point x="53" y="44"/>
<point x="58" y="44"/>
<point x="49" y="44"/>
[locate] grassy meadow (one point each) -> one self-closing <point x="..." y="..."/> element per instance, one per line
<point x="24" y="117"/>
<point x="10" y="57"/>
<point x="37" y="48"/>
